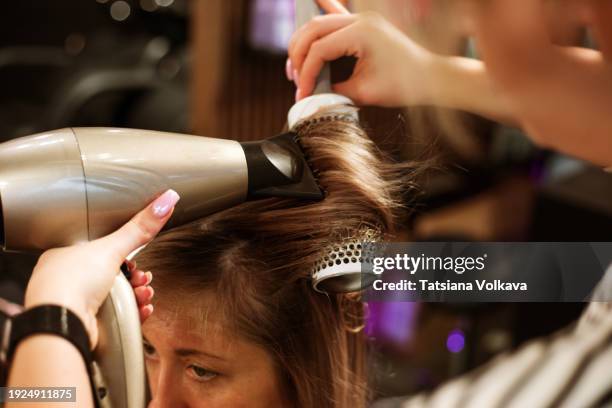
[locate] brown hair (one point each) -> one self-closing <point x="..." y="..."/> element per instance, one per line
<point x="257" y="257"/>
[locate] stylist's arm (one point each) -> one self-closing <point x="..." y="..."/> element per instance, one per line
<point x="79" y="277"/>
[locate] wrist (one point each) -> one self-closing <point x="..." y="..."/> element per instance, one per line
<point x="35" y="297"/>
<point x="417" y="86"/>
<point x="439" y="71"/>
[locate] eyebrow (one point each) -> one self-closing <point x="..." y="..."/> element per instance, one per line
<point x="182" y="352"/>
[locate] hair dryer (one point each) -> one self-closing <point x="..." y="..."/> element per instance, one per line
<point x="78" y="184"/>
<point x="61" y="187"/>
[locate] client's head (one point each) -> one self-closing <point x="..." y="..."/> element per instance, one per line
<point x="237" y="322"/>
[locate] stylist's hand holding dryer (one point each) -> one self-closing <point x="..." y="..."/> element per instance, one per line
<point x="79" y="278"/>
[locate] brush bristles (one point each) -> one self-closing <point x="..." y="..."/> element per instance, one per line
<point x="313" y="120"/>
<point x="302" y="127"/>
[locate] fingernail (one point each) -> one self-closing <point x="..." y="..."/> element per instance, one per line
<point x="149" y="276"/>
<point x="165" y="203"/>
<point x="147" y="310"/>
<point x="151" y="292"/>
<point x="298" y="94"/>
<point x="289" y="70"/>
<point x="296" y="76"/>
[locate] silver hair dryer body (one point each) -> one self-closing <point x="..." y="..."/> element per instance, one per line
<point x="77" y="184"/>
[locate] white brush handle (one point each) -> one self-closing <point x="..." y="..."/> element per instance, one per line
<point x="312" y="104"/>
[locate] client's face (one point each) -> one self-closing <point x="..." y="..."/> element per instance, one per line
<point x="192" y="361"/>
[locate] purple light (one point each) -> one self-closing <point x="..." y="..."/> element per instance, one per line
<point x="455" y="341"/>
<point x="392" y="321"/>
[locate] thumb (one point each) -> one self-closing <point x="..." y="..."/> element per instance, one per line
<point x="144" y="226"/>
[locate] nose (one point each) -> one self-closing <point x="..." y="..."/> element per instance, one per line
<point x="165" y="388"/>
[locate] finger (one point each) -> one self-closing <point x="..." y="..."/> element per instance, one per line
<point x="289" y="69"/>
<point x="144" y="295"/>
<point x="128" y="267"/>
<point x="316" y="28"/>
<point x="333" y="6"/>
<point x="350" y="89"/>
<point x="145" y="312"/>
<point x="339" y="44"/>
<point x="143" y="227"/>
<point x="139" y="278"/>
<point x="131" y="265"/>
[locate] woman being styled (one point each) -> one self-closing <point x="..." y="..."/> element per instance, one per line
<point x="237" y="322"/>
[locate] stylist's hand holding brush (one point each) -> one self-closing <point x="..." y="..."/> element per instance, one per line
<point x="390" y="67"/>
<point x="392" y="70"/>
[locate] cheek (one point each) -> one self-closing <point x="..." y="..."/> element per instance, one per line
<point x="254" y="388"/>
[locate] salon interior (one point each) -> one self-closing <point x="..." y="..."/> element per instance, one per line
<point x="217" y="68"/>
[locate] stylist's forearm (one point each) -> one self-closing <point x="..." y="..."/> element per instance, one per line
<point x="462" y="83"/>
<point x="50" y="361"/>
<point x="544" y="80"/>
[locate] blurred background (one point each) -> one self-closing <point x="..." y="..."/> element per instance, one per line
<point x="216" y="68"/>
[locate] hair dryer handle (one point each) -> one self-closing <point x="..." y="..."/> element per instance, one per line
<point x="119" y="354"/>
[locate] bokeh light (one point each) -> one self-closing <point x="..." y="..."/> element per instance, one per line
<point x="455" y="342"/>
<point x="120" y="10"/>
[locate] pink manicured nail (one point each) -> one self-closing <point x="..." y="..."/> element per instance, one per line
<point x="149" y="277"/>
<point x="165" y="203"/>
<point x="289" y="70"/>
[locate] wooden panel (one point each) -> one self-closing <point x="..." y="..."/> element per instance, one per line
<point x="238" y="93"/>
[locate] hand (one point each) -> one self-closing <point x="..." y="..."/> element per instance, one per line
<point x="561" y="95"/>
<point x="141" y="282"/>
<point x="80" y="277"/>
<point x="391" y="70"/>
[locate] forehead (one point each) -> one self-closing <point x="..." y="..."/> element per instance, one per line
<point x="172" y="328"/>
<point x="189" y="318"/>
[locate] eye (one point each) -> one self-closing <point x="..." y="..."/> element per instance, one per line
<point x="149" y="350"/>
<point x="201" y="374"/>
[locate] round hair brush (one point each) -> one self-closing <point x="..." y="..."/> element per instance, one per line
<point x="344" y="274"/>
